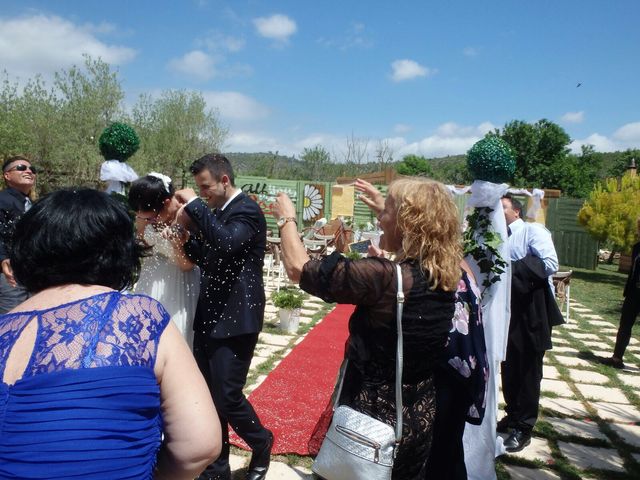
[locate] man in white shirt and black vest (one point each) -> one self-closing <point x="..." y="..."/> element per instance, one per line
<point x="533" y="312"/>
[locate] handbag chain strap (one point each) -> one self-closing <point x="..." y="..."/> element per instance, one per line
<point x="399" y="361"/>
<point x="399" y="356"/>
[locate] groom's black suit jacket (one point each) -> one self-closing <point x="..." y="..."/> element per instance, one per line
<point x="229" y="248"/>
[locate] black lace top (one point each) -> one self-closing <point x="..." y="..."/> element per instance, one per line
<point x="369" y="383"/>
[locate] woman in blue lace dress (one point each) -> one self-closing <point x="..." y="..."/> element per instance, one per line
<point x="95" y="384"/>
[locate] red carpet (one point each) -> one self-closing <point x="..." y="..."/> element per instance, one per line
<point x="292" y="398"/>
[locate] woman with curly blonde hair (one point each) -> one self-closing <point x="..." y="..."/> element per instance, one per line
<point x="426" y="242"/>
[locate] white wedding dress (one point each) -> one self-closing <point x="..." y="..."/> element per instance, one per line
<point x="163" y="280"/>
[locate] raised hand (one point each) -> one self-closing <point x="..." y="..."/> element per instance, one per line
<point x="370" y="195"/>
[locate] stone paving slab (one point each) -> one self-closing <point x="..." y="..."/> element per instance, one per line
<point x="565" y="350"/>
<point x="556" y="386"/>
<point x="580" y="309"/>
<point x="600" y="393"/>
<point x="308" y="312"/>
<point x="568" y="326"/>
<point x="573" y="361"/>
<point x="602" y="353"/>
<point x="549" y="371"/>
<point x="591" y="317"/>
<point x="616" y="412"/>
<point x="522" y="473"/>
<point x="282" y="471"/>
<point x="600" y="323"/>
<point x="586" y="336"/>
<point x="564" y="406"/>
<point x="629" y="433"/>
<point x="588" y="376"/>
<point x="305" y="320"/>
<point x="274" y="339"/>
<point x="599" y="345"/>
<point x="592" y="457"/>
<point x="559" y="341"/>
<point x="256" y="361"/>
<point x="270" y="308"/>
<point x="577" y="428"/>
<point x="538" y="450"/>
<point x="632" y="380"/>
<point x="265" y="350"/>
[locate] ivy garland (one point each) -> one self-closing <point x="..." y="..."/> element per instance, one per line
<point x="486" y="252"/>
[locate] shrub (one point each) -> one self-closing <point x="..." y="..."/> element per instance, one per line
<point x="287" y="298"/>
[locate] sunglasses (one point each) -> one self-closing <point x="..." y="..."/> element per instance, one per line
<point x="23" y="168"/>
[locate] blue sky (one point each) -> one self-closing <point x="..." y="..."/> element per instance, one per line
<point x="427" y="76"/>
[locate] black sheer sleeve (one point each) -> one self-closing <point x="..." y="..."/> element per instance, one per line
<point x="338" y="279"/>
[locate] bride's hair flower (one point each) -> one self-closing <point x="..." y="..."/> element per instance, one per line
<point x="166" y="181"/>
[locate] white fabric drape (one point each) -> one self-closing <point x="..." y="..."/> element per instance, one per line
<point x="116" y="173"/>
<point x="481" y="443"/>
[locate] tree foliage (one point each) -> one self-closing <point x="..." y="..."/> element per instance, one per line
<point x="175" y="129"/>
<point x="58" y="125"/>
<point x="611" y="212"/>
<point x="414" y="165"/>
<point x="540" y="148"/>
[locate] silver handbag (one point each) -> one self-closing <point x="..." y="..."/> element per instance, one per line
<point x="357" y="446"/>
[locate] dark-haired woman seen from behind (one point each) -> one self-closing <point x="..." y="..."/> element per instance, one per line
<point x="167" y="274"/>
<point x="95" y="383"/>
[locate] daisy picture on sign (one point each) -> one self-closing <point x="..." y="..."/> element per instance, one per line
<point x="312" y="202"/>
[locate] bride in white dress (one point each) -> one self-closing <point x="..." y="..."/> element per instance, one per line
<point x="167" y="275"/>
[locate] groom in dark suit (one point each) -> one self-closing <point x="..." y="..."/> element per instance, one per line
<point x="228" y="244"/>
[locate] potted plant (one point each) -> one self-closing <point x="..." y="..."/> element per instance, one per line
<point x="289" y="301"/>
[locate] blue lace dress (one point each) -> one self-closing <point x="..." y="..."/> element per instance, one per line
<point x="88" y="404"/>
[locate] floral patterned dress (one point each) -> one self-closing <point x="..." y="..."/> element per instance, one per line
<point x="369" y="383"/>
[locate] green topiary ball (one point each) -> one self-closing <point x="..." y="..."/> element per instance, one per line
<point x="118" y="142"/>
<point x="491" y="159"/>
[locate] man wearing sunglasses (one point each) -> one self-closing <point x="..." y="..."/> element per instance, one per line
<point x="19" y="177"/>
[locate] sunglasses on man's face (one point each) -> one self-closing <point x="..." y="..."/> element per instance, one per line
<point x="23" y="168"/>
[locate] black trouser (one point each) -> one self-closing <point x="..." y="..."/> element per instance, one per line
<point x="446" y="459"/>
<point x="521" y="376"/>
<point x="10" y="297"/>
<point x="224" y="363"/>
<point x="630" y="310"/>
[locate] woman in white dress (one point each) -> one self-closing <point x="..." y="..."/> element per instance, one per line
<point x="167" y="275"/>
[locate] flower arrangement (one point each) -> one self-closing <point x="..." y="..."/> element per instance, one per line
<point x="287" y="298"/>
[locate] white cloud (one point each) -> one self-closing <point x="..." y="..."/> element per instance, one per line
<point x="276" y="27"/>
<point x="236" y="106"/>
<point x="600" y="143"/>
<point x="448" y="139"/>
<point x="409" y="69"/>
<point x="573" y="117"/>
<point x="195" y="64"/>
<point x="252" y="142"/>
<point x="628" y="133"/>
<point x="47" y="43"/>
<point x="625" y="137"/>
